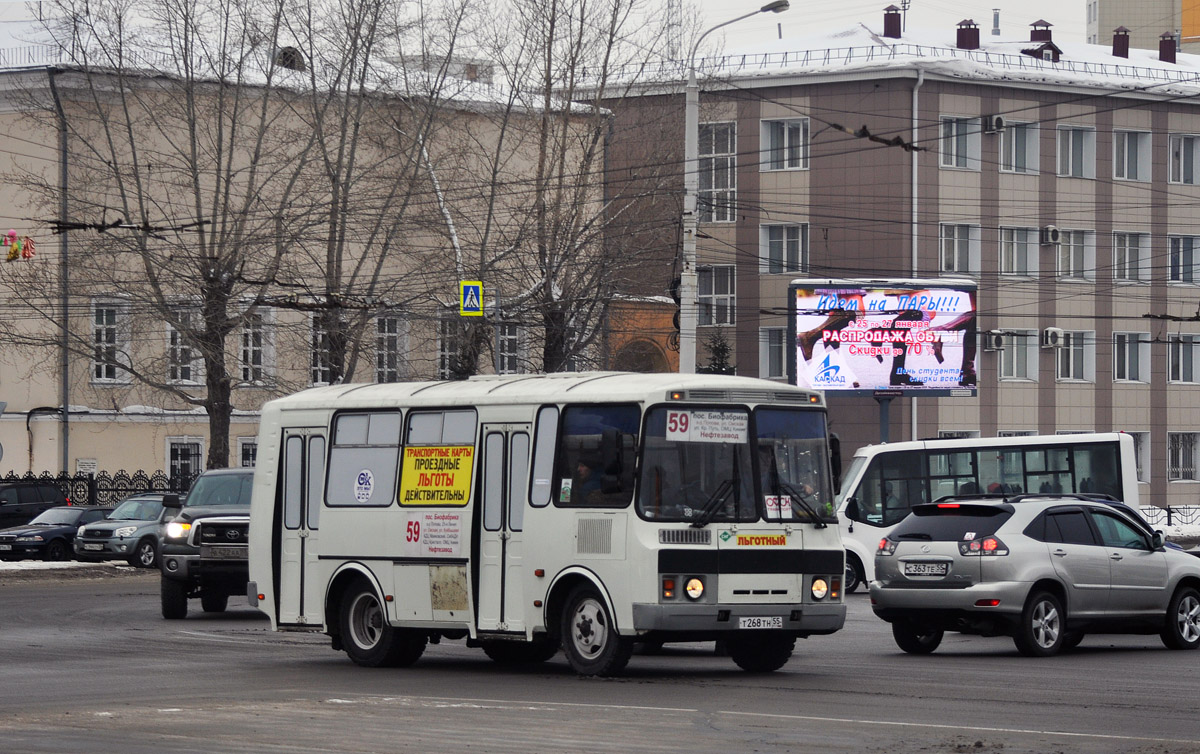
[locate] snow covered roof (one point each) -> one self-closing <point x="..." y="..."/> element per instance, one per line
<point x="863" y="50"/>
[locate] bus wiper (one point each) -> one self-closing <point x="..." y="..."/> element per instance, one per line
<point x="798" y="498"/>
<point x="713" y="504"/>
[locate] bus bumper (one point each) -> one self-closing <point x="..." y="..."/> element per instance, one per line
<point x="804" y="619"/>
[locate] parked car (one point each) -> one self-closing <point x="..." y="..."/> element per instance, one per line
<point x="129" y="533"/>
<point x="1043" y="569"/>
<point x="50" y="535"/>
<point x="203" y="544"/>
<point x="21" y="501"/>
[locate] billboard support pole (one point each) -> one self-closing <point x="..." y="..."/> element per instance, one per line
<point x="885" y="402"/>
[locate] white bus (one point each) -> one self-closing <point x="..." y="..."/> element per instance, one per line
<point x="882" y="482"/>
<point x="523" y="513"/>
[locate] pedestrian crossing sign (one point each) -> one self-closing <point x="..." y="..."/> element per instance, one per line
<point x="470" y="298"/>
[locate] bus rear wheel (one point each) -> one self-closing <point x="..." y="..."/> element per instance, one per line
<point x="761" y="654"/>
<point x="368" y="638"/>
<point x="590" y="638"/>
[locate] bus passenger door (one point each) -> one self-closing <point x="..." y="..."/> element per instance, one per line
<point x="501" y="542"/>
<point x="302" y="479"/>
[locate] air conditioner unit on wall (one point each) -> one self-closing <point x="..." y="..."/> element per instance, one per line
<point x="1051" y="235"/>
<point x="993" y="341"/>
<point x="1053" y="337"/>
<point x="993" y="124"/>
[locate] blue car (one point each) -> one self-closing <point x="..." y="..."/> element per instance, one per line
<point x="49" y="536"/>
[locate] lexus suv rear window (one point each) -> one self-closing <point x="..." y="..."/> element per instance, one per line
<point x="951" y="522"/>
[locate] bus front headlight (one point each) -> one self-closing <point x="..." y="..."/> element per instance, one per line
<point x="820" y="588"/>
<point x="695" y="588"/>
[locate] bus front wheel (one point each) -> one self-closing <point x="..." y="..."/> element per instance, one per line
<point x="368" y="638"/>
<point x="589" y="634"/>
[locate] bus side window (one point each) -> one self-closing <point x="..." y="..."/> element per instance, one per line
<point x="544" y="441"/>
<point x="596" y="456"/>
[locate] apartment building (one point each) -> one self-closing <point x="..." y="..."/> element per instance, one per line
<point x="1061" y="177"/>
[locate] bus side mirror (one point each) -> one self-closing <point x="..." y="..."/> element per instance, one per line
<point x="835" y="461"/>
<point x="171" y="501"/>
<point x="852" y="509"/>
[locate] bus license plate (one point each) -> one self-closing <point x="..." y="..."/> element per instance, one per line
<point x="225" y="553"/>
<point x="926" y="569"/>
<point x="754" y="621"/>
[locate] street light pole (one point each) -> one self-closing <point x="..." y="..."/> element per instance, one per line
<point x="689" y="310"/>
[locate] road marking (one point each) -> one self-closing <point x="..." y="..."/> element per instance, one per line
<point x="222" y="639"/>
<point x="940" y="726"/>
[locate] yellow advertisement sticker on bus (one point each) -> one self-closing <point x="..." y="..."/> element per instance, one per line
<point x="436" y="475"/>
<point x="762" y="540"/>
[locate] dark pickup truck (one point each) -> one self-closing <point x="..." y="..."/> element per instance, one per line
<point x="203" y="551"/>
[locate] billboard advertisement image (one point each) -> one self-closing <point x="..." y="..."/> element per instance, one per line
<point x="899" y="337"/>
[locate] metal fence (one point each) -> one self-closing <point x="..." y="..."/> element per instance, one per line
<point x="104" y="488"/>
<point x="1184" y="515"/>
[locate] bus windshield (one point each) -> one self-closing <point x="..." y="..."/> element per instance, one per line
<point x="696" y="465"/>
<point x="703" y="465"/>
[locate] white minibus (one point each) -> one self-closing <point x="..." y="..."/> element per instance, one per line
<point x="882" y="483"/>
<point x="587" y="511"/>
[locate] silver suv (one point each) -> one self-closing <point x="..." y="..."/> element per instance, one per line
<point x="1043" y="569"/>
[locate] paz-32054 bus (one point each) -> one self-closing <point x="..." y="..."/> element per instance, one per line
<point x="589" y="511"/>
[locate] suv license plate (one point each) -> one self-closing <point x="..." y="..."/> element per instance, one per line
<point x="225" y="553"/>
<point x="754" y="621"/>
<point x="926" y="569"/>
<point x="92" y="546"/>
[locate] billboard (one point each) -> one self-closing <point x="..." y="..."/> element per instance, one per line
<point x="884" y="337"/>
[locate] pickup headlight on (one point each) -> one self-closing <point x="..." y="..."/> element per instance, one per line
<point x="177" y="530"/>
<point x="125" y="531"/>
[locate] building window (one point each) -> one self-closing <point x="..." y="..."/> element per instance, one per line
<point x="1181" y="456"/>
<point x="185" y="460"/>
<point x="957" y="434"/>
<point x="718" y="295"/>
<point x="508" y="339"/>
<point x="1131" y="256"/>
<point x="1131" y="155"/>
<point x="253" y="356"/>
<point x="718" y="173"/>
<point x="1141" y="454"/>
<point x="1014" y="251"/>
<point x="247" y="452"/>
<point x="1183" y="259"/>
<point x="785" y="248"/>
<point x="1076" y="152"/>
<point x="960" y="248"/>
<point x="447" y="345"/>
<point x="1131" y="356"/>
<point x="772" y="364"/>
<point x="1077" y="357"/>
<point x="183" y="362"/>
<point x="389" y="348"/>
<point x="1019" y="355"/>
<point x="785" y="144"/>
<point x="1019" y="148"/>
<point x="1181" y="357"/>
<point x="1077" y="255"/>
<point x="110" y="342"/>
<point x="1185" y="158"/>
<point x="320" y="354"/>
<point x="960" y="143"/>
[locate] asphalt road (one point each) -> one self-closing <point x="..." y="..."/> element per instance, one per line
<point x="88" y="665"/>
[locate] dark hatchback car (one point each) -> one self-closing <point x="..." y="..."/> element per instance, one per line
<point x="21" y="501"/>
<point x="50" y="535"/>
<point x="129" y="533"/>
